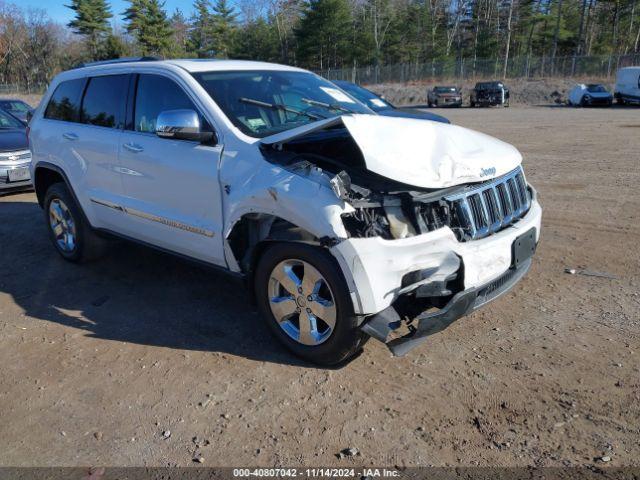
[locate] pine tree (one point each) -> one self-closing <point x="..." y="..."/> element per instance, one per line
<point x="258" y="41"/>
<point x="147" y="21"/>
<point x="134" y="16"/>
<point x="112" y="47"/>
<point x="224" y="27"/>
<point x="323" y="33"/>
<point x="180" y="27"/>
<point x="91" y="20"/>
<point x="201" y="33"/>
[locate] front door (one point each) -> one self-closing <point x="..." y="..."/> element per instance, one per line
<point x="172" y="193"/>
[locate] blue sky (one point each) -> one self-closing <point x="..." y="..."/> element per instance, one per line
<point x="58" y="12"/>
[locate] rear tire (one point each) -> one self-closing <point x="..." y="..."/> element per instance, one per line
<point x="286" y="272"/>
<point x="69" y="231"/>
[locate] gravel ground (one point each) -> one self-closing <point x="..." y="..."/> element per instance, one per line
<point x="143" y="359"/>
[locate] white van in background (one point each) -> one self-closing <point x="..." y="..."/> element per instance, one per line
<point x="628" y="86"/>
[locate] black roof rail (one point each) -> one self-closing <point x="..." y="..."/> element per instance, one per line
<point x="118" y="60"/>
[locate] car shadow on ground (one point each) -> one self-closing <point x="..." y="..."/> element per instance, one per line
<point x="133" y="294"/>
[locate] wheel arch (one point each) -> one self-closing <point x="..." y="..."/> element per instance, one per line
<point x="45" y="175"/>
<point x="253" y="233"/>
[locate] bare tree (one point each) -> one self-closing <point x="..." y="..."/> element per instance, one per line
<point x="508" y="42"/>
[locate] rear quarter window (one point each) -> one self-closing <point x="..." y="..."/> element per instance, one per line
<point x="65" y="101"/>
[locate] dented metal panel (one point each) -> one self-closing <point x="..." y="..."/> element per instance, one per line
<point x="419" y="153"/>
<point x="377" y="266"/>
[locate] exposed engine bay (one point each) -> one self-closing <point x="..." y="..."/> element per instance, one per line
<point x="393" y="210"/>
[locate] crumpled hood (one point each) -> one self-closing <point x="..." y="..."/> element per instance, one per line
<point x="417" y="152"/>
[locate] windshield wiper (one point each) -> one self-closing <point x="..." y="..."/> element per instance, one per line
<point x="279" y="106"/>
<point x="329" y="106"/>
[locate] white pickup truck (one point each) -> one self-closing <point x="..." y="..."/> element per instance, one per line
<point x="345" y="224"/>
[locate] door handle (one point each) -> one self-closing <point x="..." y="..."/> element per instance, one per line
<point x="132" y="147"/>
<point x="70" y="136"/>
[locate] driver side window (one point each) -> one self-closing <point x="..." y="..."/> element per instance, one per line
<point x="156" y="94"/>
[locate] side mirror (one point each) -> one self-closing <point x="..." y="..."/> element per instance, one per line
<point x="182" y="125"/>
<point x="29" y="116"/>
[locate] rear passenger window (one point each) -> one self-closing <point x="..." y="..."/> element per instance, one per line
<point x="65" y="101"/>
<point x="156" y="94"/>
<point x="104" y="101"/>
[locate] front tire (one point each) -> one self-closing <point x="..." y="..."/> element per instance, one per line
<point x="303" y="297"/>
<point x="70" y="233"/>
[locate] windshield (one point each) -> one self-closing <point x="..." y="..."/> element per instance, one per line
<point x="15" y="106"/>
<point x="365" y="96"/>
<point x="262" y="103"/>
<point x="445" y="89"/>
<point x="596" y="89"/>
<point x="7" y="121"/>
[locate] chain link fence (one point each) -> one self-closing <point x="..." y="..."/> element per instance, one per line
<point x="16" y="89"/>
<point x="596" y="66"/>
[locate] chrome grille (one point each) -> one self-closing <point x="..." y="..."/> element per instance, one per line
<point x="490" y="206"/>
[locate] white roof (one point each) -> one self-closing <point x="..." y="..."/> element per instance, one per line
<point x="191" y="65"/>
<point x="207" y="65"/>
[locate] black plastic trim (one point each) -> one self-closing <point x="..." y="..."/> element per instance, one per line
<point x="110" y="233"/>
<point x="50" y="166"/>
<point x="429" y="323"/>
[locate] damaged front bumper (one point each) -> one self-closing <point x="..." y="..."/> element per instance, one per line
<point x="380" y="273"/>
<point x="382" y="325"/>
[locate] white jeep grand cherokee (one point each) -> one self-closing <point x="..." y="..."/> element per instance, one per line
<point x="345" y="224"/>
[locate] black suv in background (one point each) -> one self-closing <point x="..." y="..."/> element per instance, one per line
<point x="489" y="94"/>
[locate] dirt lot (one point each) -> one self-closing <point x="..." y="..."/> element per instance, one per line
<point x="99" y="360"/>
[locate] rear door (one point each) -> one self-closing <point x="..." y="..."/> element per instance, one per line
<point x="96" y="140"/>
<point x="79" y="132"/>
<point x="172" y="190"/>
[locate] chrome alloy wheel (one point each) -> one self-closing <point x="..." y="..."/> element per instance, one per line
<point x="302" y="302"/>
<point x="62" y="225"/>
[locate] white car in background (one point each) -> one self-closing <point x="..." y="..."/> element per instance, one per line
<point x="591" y="94"/>
<point x="344" y="224"/>
<point x="628" y="86"/>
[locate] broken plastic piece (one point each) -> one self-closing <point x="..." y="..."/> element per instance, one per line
<point x="341" y="185"/>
